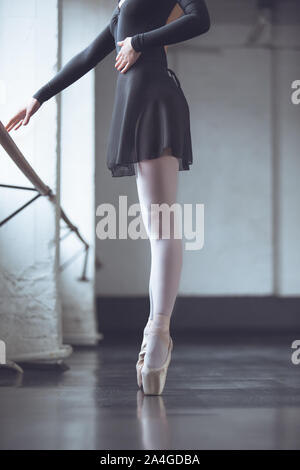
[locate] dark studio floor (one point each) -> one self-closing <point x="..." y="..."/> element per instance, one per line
<point x="221" y="393"/>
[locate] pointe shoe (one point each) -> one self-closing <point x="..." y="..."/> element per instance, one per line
<point x="140" y="361"/>
<point x="154" y="379"/>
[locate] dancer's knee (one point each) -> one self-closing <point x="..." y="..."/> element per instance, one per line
<point x="163" y="224"/>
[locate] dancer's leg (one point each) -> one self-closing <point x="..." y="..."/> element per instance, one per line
<point x="151" y="301"/>
<point x="157" y="184"/>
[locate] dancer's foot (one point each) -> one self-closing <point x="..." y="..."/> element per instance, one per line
<point x="158" y="341"/>
<point x="140" y="361"/>
<point x="154" y="379"/>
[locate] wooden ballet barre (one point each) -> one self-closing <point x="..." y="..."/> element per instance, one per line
<point x="18" y="158"/>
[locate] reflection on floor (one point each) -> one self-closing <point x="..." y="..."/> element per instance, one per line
<point x="232" y="393"/>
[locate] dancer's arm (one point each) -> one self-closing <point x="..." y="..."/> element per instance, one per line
<point x="195" y="21"/>
<point x="78" y="66"/>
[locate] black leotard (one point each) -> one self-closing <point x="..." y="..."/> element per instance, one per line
<point x="150" y="111"/>
<point x="145" y="22"/>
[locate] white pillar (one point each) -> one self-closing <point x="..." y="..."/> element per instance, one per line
<point x="81" y="23"/>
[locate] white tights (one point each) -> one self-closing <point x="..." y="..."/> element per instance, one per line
<point x="156" y="184"/>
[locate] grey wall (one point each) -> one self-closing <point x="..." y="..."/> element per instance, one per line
<point x="246" y="162"/>
<point x="286" y="66"/>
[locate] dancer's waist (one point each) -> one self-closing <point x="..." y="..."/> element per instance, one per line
<point x="156" y="55"/>
<point x="156" y="59"/>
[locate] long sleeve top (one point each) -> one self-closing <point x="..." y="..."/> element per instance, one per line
<point x="142" y="20"/>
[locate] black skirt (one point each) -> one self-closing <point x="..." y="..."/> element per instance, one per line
<point x="150" y="113"/>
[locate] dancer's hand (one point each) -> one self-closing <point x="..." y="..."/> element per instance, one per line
<point x="23" y="116"/>
<point x="127" y="56"/>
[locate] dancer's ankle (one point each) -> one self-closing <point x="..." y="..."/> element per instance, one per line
<point x="148" y="325"/>
<point x="161" y="321"/>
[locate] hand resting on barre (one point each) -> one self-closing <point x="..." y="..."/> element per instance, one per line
<point x="23" y="116"/>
